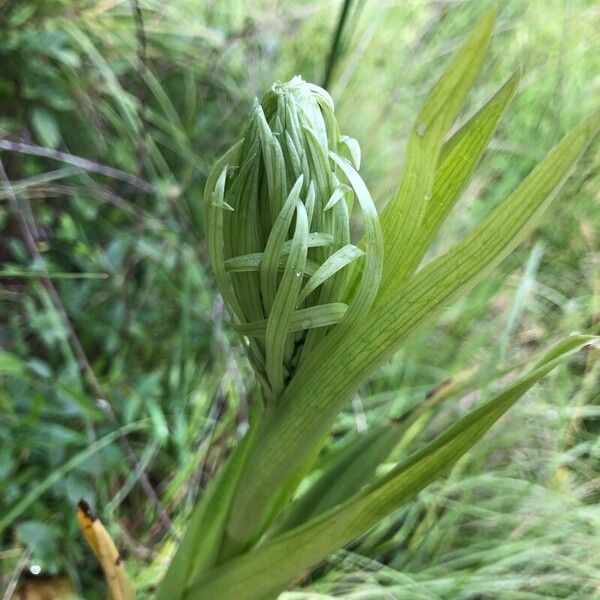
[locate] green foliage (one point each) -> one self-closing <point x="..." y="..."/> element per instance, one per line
<point x="159" y="99"/>
<point x="127" y="264"/>
<point x="301" y="412"/>
<point x="278" y="560"/>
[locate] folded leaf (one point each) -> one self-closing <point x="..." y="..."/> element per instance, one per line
<point x="106" y="552"/>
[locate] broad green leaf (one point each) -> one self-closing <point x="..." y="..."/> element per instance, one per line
<point x="330" y="375"/>
<point x="45" y="126"/>
<point x="402" y="217"/>
<point x="269" y="566"/>
<point x="11" y="363"/>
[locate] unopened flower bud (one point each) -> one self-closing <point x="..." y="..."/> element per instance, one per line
<point x="278" y="207"/>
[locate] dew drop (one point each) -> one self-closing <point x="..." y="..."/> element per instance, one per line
<point x="306" y="324"/>
<point x="420" y="129"/>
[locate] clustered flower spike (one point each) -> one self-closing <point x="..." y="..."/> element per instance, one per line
<point x="278" y="207"/>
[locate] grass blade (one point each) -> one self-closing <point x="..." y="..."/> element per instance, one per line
<point x="26" y="501"/>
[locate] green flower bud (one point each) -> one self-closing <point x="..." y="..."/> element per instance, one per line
<point x="278" y="207"/>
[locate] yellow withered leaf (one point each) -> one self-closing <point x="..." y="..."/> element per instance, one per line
<point x="105" y="550"/>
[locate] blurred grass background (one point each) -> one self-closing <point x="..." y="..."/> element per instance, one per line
<point x="109" y="323"/>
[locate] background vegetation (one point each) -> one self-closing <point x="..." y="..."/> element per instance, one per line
<point x="120" y="381"/>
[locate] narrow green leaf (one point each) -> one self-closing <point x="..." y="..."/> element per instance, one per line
<point x="277" y="561"/>
<point x="274" y="165"/>
<point x="202" y="541"/>
<point x="340" y="192"/>
<point x="242" y="227"/>
<point x="344" y="472"/>
<point x="402" y="217"/>
<point x="252" y="262"/>
<point x="214" y="219"/>
<point x="304" y="318"/>
<point x="285" y="301"/>
<point x="338" y="260"/>
<point x="269" y="267"/>
<point x="460" y="155"/>
<point x="214" y="212"/>
<point x="370" y="278"/>
<point x="349" y="148"/>
<point x="353" y="466"/>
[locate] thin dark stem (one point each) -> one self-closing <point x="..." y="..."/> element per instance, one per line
<point x="335" y="49"/>
<point x="82" y="163"/>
